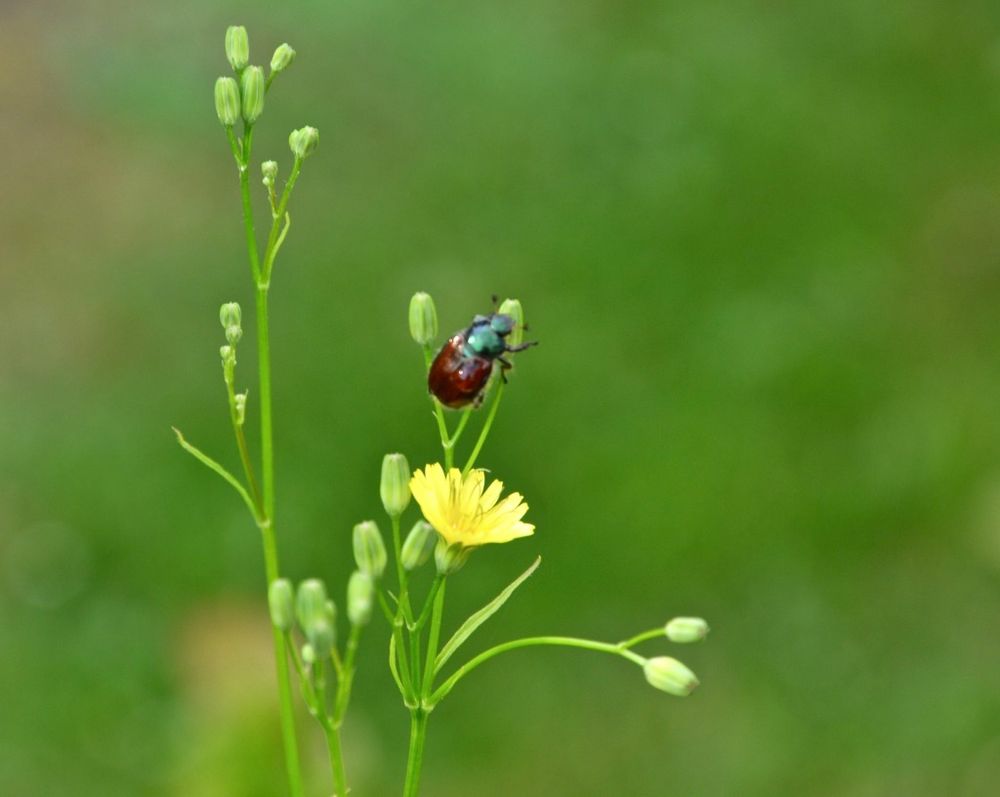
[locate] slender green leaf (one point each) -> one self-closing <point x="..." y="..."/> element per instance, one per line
<point x="480" y="617"/>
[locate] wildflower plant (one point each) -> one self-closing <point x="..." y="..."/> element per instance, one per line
<point x="463" y="508"/>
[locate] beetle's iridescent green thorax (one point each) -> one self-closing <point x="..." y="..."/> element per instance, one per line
<point x="485" y="338"/>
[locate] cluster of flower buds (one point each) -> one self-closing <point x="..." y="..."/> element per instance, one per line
<point x="242" y="96"/>
<point x="230" y="316"/>
<point x="667" y="673"/>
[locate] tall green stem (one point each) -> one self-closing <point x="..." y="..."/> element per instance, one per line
<point x="267" y="477"/>
<point x="418" y="730"/>
<point x="336" y="761"/>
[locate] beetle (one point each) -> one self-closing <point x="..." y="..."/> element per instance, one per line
<point x="460" y="371"/>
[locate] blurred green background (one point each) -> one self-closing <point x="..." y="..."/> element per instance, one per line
<point x="760" y="244"/>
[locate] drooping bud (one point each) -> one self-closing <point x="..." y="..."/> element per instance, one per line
<point x="369" y="550"/>
<point x="512" y="307"/>
<point x="227" y="101"/>
<point x="240" y="404"/>
<point x="269" y="169"/>
<point x="670" y="675"/>
<point x="252" y="92"/>
<point x="360" y="598"/>
<point x="394" y="487"/>
<point x="450" y="558"/>
<point x="282" y="58"/>
<point x="281" y="602"/>
<point x="237" y="46"/>
<point x="418" y="545"/>
<point x="686" y="629"/>
<point x="423" y="319"/>
<point x="303" y="141"/>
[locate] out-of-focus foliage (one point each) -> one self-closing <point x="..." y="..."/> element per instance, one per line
<point x="760" y="244"/>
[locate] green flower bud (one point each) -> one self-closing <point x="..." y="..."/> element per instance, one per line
<point x="282" y="58"/>
<point x="237" y="46"/>
<point x="423" y="319"/>
<point x="670" y="675"/>
<point x="686" y="629"/>
<point x="310" y="604"/>
<point x="227" y="101"/>
<point x="252" y="91"/>
<point x="512" y="307"/>
<point x="360" y="598"/>
<point x="418" y="545"/>
<point x="308" y="654"/>
<point x="303" y="141"/>
<point x="281" y="601"/>
<point x="450" y="558"/>
<point x="230" y="316"/>
<point x="369" y="550"/>
<point x="321" y="637"/>
<point x="240" y="403"/>
<point x="394" y="487"/>
<point x="270" y="171"/>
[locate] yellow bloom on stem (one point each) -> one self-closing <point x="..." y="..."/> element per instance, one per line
<point x="463" y="512"/>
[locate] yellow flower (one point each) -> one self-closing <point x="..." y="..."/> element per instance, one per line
<point x="463" y="512"/>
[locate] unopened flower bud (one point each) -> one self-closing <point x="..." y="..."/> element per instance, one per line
<point x="321" y="637"/>
<point x="369" y="550"/>
<point x="450" y="558"/>
<point x="394" y="487"/>
<point x="252" y="92"/>
<point x="303" y="141"/>
<point x="423" y="319"/>
<point x="360" y="598"/>
<point x="230" y="314"/>
<point x="240" y="404"/>
<point x="269" y="169"/>
<point x="281" y="602"/>
<point x="670" y="675"/>
<point x="686" y="629"/>
<point x="237" y="46"/>
<point x="282" y="58"/>
<point x="230" y="317"/>
<point x="512" y="307"/>
<point x="227" y="101"/>
<point x="310" y="604"/>
<point x="418" y="545"/>
<point x="308" y="654"/>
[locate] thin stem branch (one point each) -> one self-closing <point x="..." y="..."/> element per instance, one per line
<point x="486" y="655"/>
<point x="432" y="640"/>
<point x="210" y="463"/>
<point x="485" y="431"/>
<point x="653" y="633"/>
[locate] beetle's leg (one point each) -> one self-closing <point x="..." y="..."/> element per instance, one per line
<point x="522" y="346"/>
<point x="506" y="364"/>
<point x="496" y="301"/>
